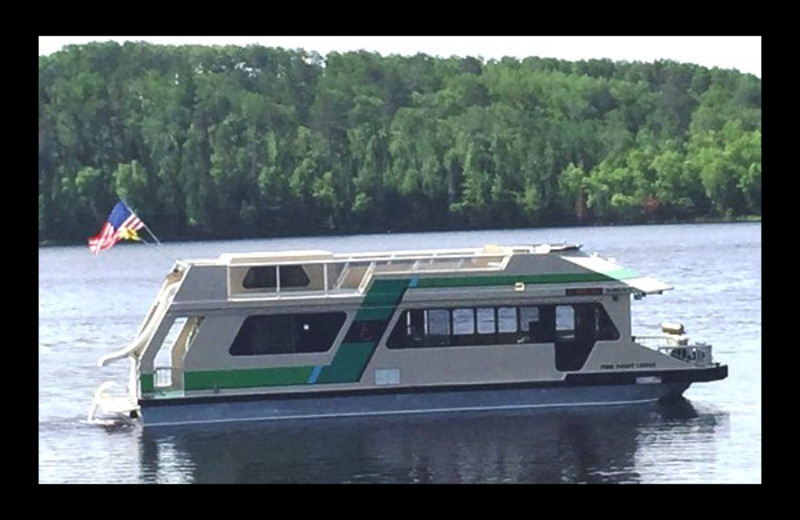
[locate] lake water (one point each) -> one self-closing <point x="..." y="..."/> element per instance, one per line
<point x="90" y="306"/>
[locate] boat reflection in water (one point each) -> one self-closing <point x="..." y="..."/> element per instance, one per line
<point x="626" y="444"/>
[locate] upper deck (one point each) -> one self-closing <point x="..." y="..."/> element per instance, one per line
<point x="314" y="274"/>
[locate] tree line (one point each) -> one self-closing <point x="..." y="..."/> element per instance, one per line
<point x="232" y="142"/>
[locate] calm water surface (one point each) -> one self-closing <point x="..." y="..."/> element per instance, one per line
<point x="90" y="306"/>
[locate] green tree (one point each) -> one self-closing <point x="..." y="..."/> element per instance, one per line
<point x="253" y="141"/>
<point x="134" y="184"/>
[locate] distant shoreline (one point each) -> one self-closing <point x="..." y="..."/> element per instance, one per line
<point x="737" y="220"/>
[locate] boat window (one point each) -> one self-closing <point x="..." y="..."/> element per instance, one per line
<point x="261" y="277"/>
<point x="604" y="327"/>
<point x="525" y="324"/>
<point x="486" y="320"/>
<point x="507" y="319"/>
<point x="415" y="323"/>
<point x="463" y="321"/>
<point x="594" y="322"/>
<point x="437" y="322"/>
<point x="293" y="276"/>
<point x="365" y="330"/>
<point x="287" y="334"/>
<point x="565" y="322"/>
<point x="578" y="327"/>
<point x="265" y="277"/>
<point x="528" y="316"/>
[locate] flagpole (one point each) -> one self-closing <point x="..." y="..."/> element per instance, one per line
<point x="149" y="232"/>
<point x="157" y="248"/>
<point x="143" y="224"/>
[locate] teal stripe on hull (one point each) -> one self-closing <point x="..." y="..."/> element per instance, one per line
<point x="377" y="308"/>
<point x="348" y="365"/>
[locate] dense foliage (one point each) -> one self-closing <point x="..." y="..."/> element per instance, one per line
<point x="254" y="141"/>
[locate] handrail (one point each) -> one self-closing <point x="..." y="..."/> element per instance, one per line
<point x="662" y="340"/>
<point x="698" y="355"/>
<point x="366" y="278"/>
<point x="376" y="257"/>
<point x="678" y="347"/>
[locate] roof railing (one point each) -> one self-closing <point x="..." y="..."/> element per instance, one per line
<point x="351" y="274"/>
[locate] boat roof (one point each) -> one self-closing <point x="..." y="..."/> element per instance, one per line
<point x="629" y="277"/>
<point x="311" y="255"/>
<point x="560" y="258"/>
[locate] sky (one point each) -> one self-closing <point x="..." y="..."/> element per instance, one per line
<point x="728" y="52"/>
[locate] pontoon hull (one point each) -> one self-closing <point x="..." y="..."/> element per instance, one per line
<point x="159" y="413"/>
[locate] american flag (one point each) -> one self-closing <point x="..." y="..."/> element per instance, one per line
<point x="121" y="224"/>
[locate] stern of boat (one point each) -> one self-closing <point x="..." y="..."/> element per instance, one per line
<point x="675" y="343"/>
<point x="697" y="357"/>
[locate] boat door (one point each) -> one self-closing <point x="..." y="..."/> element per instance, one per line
<point x="168" y="363"/>
<point x="574" y="335"/>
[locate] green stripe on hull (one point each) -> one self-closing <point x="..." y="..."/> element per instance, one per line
<point x="247" y="378"/>
<point x="375" y="313"/>
<point x="384" y="292"/>
<point x="381" y="300"/>
<point x="377" y="308"/>
<point x="146" y="383"/>
<point x="510" y="279"/>
<point x="349" y="364"/>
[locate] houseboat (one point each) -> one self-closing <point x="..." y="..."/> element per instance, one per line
<point x="315" y="334"/>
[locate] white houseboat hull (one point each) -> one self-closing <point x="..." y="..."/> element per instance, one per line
<point x="301" y="335"/>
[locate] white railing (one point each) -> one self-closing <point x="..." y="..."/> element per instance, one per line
<point x="366" y="278"/>
<point x="350" y="275"/>
<point x="698" y="355"/>
<point x="678" y="347"/>
<point x="666" y="340"/>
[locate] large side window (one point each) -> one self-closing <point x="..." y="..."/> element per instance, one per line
<point x="287" y="334"/>
<point x="506" y="325"/>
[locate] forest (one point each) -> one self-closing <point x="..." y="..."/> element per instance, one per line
<point x="208" y="142"/>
